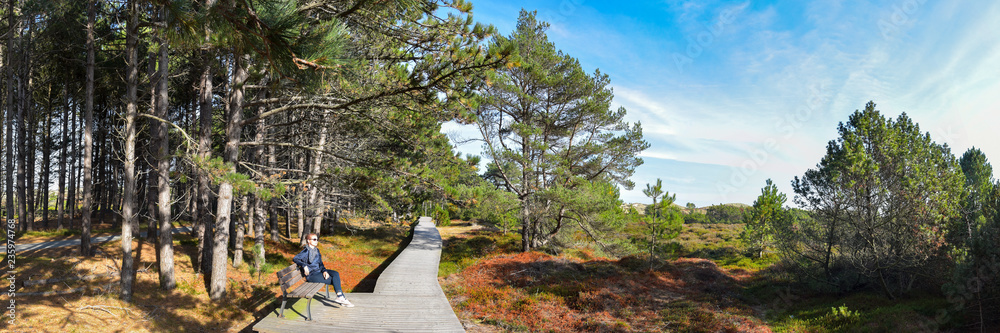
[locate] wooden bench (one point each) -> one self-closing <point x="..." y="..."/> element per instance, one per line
<point x="287" y="278"/>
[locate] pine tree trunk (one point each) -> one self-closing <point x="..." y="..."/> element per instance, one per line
<point x="288" y="222"/>
<point x="61" y="198"/>
<point x="336" y="218"/>
<point x="4" y="213"/>
<point x="240" y="232"/>
<point x="21" y="209"/>
<point x="233" y="227"/>
<point x="74" y="169"/>
<point x="152" y="189"/>
<point x="526" y="229"/>
<point x="22" y="159"/>
<point x="110" y="180"/>
<point x="259" y="222"/>
<point x="204" y="225"/>
<point x="272" y="218"/>
<point x="205" y="234"/>
<point x="151" y="192"/>
<point x="99" y="182"/>
<point x="88" y="139"/>
<point x="162" y="146"/>
<point x="128" y="271"/>
<point x="46" y="167"/>
<point x="3" y="139"/>
<point x="9" y="106"/>
<point x="320" y="212"/>
<point x="191" y="202"/>
<point x="315" y="204"/>
<point x="258" y="210"/>
<point x="25" y="97"/>
<point x="114" y="202"/>
<point x="300" y="208"/>
<point x="217" y="286"/>
<point x="272" y="212"/>
<point x="29" y="165"/>
<point x="233" y="132"/>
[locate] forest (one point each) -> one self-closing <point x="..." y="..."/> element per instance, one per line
<point x="229" y="113"/>
<point x="253" y="123"/>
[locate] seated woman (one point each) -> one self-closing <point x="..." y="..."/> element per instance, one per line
<point x="314" y="271"/>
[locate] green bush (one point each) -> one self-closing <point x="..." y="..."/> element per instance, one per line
<point x="695" y="217"/>
<point x="725" y="214"/>
<point x="442" y="216"/>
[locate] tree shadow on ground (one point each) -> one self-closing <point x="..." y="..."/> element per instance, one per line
<point x="97" y="308"/>
<point x="367" y="284"/>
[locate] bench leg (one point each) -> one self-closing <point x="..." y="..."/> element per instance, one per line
<point x="309" y="309"/>
<point x="327" y="291"/>
<point x="281" y="314"/>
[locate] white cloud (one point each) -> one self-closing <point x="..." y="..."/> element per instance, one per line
<point x="787" y="75"/>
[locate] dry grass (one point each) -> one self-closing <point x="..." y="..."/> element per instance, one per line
<point x="186" y="308"/>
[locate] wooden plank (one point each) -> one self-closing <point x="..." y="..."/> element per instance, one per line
<point x="371" y="313"/>
<point x="289" y="275"/>
<point x="306" y="289"/>
<point x="286" y="270"/>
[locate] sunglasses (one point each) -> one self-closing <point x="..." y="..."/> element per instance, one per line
<point x="312" y="239"/>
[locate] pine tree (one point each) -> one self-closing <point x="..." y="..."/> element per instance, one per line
<point x="884" y="193"/>
<point x="548" y="120"/>
<point x="662" y="220"/>
<point x="760" y="220"/>
<point x="88" y="135"/>
<point x="130" y="204"/>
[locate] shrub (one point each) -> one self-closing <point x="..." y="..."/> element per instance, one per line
<point x="695" y="217"/>
<point x="725" y="214"/>
<point x="442" y="216"/>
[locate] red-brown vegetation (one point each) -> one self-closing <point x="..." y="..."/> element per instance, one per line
<point x="539" y="293"/>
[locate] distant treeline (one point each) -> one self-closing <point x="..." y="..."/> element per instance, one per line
<point x="716" y="214"/>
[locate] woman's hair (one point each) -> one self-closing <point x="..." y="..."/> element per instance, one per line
<point x="305" y="241"/>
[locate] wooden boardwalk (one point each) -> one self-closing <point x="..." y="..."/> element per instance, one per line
<point x="407" y="298"/>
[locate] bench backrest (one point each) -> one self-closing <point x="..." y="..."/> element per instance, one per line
<point x="288" y="277"/>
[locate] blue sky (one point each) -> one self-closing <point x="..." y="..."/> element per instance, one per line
<point x="732" y="93"/>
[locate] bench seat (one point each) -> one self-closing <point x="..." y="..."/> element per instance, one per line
<point x="287" y="278"/>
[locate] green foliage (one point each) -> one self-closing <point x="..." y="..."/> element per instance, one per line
<point x="589" y="211"/>
<point x="441" y="216"/>
<point x="739" y="261"/>
<point x="548" y="127"/>
<point x="663" y="220"/>
<point x="278" y="190"/>
<point x="695" y="217"/>
<point x="978" y="187"/>
<point x="258" y="252"/>
<point x="726" y="214"/>
<point x="884" y="193"/>
<point x="975" y="235"/>
<point x="861" y="312"/>
<point x="760" y="220"/>
<point x="489" y="205"/>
